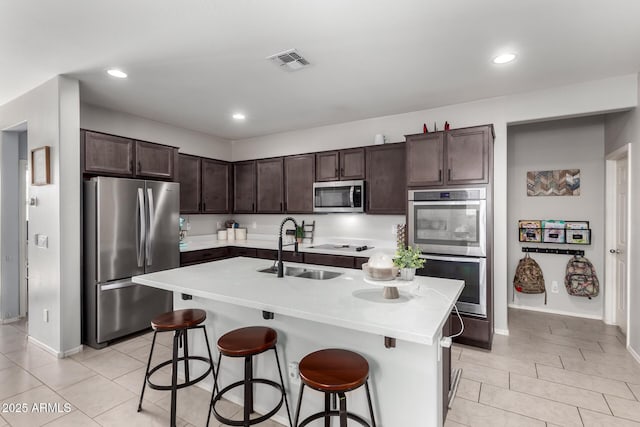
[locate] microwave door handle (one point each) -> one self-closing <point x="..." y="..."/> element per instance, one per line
<point x="351" y="191"/>
<point x="152" y="217"/>
<point x="142" y="230"/>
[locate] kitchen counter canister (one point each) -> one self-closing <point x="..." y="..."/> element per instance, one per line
<point x="343" y="312"/>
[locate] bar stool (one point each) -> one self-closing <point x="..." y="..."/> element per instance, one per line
<point x="248" y="342"/>
<point x="179" y="321"/>
<point x="334" y="372"/>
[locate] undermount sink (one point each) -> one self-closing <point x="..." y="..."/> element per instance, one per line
<point x="305" y="273"/>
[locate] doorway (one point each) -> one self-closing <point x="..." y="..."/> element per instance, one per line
<point x="617" y="229"/>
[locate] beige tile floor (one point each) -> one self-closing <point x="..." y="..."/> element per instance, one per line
<point x="551" y="371"/>
<point x="101" y="386"/>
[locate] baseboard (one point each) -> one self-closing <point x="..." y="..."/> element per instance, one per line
<point x="552" y="311"/>
<point x="8" y="321"/>
<point x="73" y="351"/>
<point x="501" y="331"/>
<point x="634" y="354"/>
<point x="45" y="347"/>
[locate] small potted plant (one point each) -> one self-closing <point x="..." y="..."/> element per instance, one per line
<point x="407" y="260"/>
<point x="299" y="234"/>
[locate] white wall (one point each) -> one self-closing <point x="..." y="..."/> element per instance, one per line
<point x="561" y="144"/>
<point x="123" y="124"/>
<point x="52" y="115"/>
<point x="621" y="129"/>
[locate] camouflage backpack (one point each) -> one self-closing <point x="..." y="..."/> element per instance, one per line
<point x="528" y="278"/>
<point x="580" y="278"/>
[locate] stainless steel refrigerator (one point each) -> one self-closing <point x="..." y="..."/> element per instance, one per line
<point x="131" y="227"/>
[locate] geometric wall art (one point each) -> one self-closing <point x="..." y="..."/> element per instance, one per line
<point x="565" y="182"/>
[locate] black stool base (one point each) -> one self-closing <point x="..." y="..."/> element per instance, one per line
<point x="253" y="421"/>
<point x="333" y="413"/>
<point x="328" y="412"/>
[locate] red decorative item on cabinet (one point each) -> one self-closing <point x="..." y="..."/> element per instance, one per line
<point x="446" y="126"/>
<point x="424" y="128"/>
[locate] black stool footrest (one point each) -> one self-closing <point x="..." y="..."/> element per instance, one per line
<point x="180" y="385"/>
<point x="334" y="413"/>
<point x="253" y="421"/>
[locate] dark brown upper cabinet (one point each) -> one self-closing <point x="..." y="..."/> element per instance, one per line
<point x="155" y="160"/>
<point x="456" y="157"/>
<point x="204" y="185"/>
<point x="216" y="186"/>
<point x="244" y="187"/>
<point x="118" y="156"/>
<point x="270" y="185"/>
<point x="386" y="179"/>
<point x="340" y="165"/>
<point x="107" y="154"/>
<point x="467" y="157"/>
<point x="189" y="177"/>
<point x="299" y="175"/>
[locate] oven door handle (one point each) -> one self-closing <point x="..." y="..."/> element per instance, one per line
<point x="351" y="191"/>
<point x="477" y="260"/>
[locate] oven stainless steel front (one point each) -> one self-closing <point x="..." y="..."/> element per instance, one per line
<point x="472" y="270"/>
<point x="449" y="221"/>
<point x="338" y="196"/>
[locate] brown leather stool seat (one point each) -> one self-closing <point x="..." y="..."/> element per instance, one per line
<point x="248" y="342"/>
<point x="179" y="319"/>
<point x="178" y="322"/>
<point x="334" y="371"/>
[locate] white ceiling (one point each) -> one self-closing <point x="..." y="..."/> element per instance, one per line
<point x="192" y="63"/>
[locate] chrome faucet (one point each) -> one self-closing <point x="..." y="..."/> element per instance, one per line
<point x="280" y="245"/>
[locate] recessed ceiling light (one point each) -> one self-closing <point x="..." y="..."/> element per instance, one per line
<point x="114" y="72"/>
<point x="239" y="116"/>
<point x="504" y="58"/>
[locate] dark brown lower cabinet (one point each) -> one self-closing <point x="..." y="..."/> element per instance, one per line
<point x="331" y="260"/>
<point x="204" y="255"/>
<point x="359" y="261"/>
<point x="235" y="251"/>
<point x="477" y="332"/>
<point x="272" y="255"/>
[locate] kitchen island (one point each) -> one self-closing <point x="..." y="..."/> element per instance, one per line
<point x="343" y="312"/>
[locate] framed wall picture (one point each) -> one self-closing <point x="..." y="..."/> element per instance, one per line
<point x="40" y="166"/>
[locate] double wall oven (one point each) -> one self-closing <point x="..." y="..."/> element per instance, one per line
<point x="450" y="227"/>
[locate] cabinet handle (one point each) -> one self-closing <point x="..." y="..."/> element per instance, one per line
<point x="337" y="173"/>
<point x="139" y="166"/>
<point x="280" y="206"/>
<point x="285" y="206"/>
<point x="253" y="207"/>
<point x="204" y="206"/>
<point x="449" y="175"/>
<point x="440" y="175"/>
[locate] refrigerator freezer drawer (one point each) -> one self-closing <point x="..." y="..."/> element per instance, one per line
<point x="124" y="307"/>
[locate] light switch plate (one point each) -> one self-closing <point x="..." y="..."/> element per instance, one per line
<point x="42" y="241"/>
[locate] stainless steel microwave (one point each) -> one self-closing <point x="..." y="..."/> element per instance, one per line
<point x="338" y="196"/>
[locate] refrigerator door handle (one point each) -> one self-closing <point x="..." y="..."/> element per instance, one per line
<point x="117" y="285"/>
<point x="142" y="224"/>
<point x="152" y="217"/>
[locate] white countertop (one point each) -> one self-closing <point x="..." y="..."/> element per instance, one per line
<point x="196" y="243"/>
<point x="346" y="301"/>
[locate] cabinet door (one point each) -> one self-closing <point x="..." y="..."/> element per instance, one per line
<point x="328" y="166"/>
<point x="425" y="159"/>
<point x="155" y="160"/>
<point x="299" y="173"/>
<point x="352" y="164"/>
<point x="270" y="185"/>
<point x="244" y="187"/>
<point x="468" y="155"/>
<point x="107" y="154"/>
<point x="386" y="179"/>
<point x="189" y="179"/>
<point x="215" y="186"/>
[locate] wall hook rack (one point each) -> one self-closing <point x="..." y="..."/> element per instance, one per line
<point x="554" y="251"/>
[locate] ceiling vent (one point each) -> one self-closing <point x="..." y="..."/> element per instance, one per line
<point x="290" y="60"/>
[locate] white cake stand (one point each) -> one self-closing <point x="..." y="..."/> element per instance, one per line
<point x="390" y="286"/>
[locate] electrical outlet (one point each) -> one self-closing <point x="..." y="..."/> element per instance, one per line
<point x="45" y="315"/>
<point x="554" y="287"/>
<point x="294" y="373"/>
